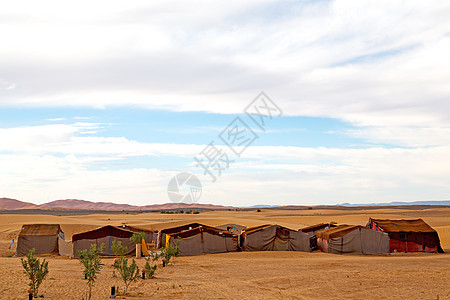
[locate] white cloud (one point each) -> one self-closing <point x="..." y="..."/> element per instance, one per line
<point x="382" y="66"/>
<point x="373" y="63"/>
<point x="52" y="162"/>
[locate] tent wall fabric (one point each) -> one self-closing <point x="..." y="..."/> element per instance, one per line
<point x="204" y="240"/>
<point x="161" y="239"/>
<point x="408" y="235"/>
<point x="350" y="239"/>
<point x="103" y="235"/>
<point x="275" y="238"/>
<point x="42" y="237"/>
<point x="65" y="248"/>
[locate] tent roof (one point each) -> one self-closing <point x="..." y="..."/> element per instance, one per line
<point x="262" y="227"/>
<point x="199" y="229"/>
<point x="103" y="232"/>
<point x="315" y="227"/>
<point x="256" y="228"/>
<point x="135" y="229"/>
<point x="40" y="229"/>
<point x="338" y="231"/>
<point x="417" y="225"/>
<point x="181" y="228"/>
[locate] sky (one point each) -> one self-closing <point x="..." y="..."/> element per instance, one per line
<point x="109" y="100"/>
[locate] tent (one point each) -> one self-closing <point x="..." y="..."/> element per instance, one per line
<point x="232" y="228"/>
<point x="161" y="239"/>
<point x="42" y="237"/>
<point x="352" y="239"/>
<point x="203" y="240"/>
<point x="106" y="235"/>
<point x="408" y="235"/>
<point x="274" y="238"/>
<point x="312" y="230"/>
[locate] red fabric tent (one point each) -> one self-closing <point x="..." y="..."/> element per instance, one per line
<point x="408" y="235"/>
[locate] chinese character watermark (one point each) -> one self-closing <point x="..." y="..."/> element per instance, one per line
<point x="213" y="159"/>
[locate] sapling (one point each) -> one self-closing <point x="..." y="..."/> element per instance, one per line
<point x="92" y="264"/>
<point x="127" y="273"/>
<point x="35" y="270"/>
<point x="137" y="237"/>
<point x="118" y="249"/>
<point x="170" y="251"/>
<point x="151" y="268"/>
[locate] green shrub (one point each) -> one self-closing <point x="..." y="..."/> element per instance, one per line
<point x="170" y="251"/>
<point x="127" y="273"/>
<point x="151" y="268"/>
<point x="92" y="264"/>
<point x="196" y="212"/>
<point x="118" y="249"/>
<point x="137" y="237"/>
<point x="35" y="270"/>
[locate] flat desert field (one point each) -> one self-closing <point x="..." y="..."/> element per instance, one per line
<point x="244" y="275"/>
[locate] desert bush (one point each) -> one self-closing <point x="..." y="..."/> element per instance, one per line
<point x="137" y="237"/>
<point x="151" y="268"/>
<point x="35" y="270"/>
<point x="196" y="212"/>
<point x="170" y="251"/>
<point x="118" y="249"/>
<point x="127" y="273"/>
<point x="92" y="264"/>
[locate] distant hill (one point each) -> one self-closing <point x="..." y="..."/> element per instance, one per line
<point x="75" y="204"/>
<point x="84" y="205"/>
<point x="9" y="204"/>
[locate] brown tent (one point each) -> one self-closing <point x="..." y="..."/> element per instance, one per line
<point x="161" y="239"/>
<point x="274" y="238"/>
<point x="352" y="239"/>
<point x="204" y="240"/>
<point x="232" y="228"/>
<point x="312" y="230"/>
<point x="42" y="237"/>
<point x="103" y="235"/>
<point x="408" y="235"/>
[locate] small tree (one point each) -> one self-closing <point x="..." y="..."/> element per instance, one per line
<point x="92" y="264"/>
<point x="150" y="269"/>
<point x="127" y="273"/>
<point x="35" y="270"/>
<point x="137" y="237"/>
<point x="170" y="251"/>
<point x="118" y="249"/>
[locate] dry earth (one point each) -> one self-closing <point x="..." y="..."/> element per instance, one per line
<point x="246" y="275"/>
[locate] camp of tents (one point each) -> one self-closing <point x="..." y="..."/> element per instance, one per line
<point x="377" y="237"/>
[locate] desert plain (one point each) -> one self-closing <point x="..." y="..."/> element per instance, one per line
<point x="243" y="275"/>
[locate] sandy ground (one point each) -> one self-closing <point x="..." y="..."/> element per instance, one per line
<point x="246" y="275"/>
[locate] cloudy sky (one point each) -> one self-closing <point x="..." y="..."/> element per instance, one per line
<point x="108" y="100"/>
